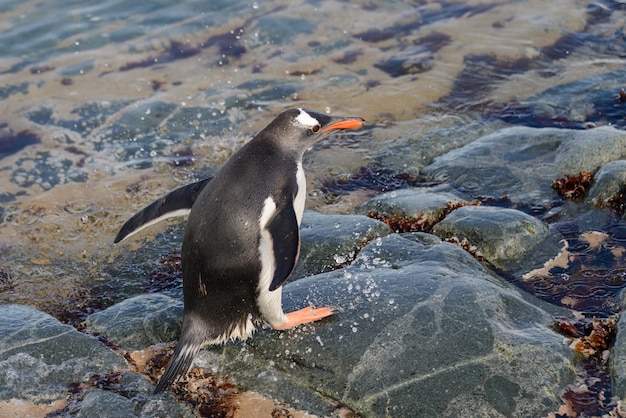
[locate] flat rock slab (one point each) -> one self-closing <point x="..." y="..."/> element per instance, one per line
<point x="522" y="162"/>
<point x="423" y="330"/>
<point x="140" y="321"/>
<point x="40" y="356"/>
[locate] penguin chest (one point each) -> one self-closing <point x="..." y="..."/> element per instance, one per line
<point x="298" y="201"/>
<point x="268" y="302"/>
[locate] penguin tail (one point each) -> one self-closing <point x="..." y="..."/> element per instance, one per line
<point x="180" y="363"/>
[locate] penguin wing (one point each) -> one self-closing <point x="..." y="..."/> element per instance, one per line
<point x="285" y="233"/>
<point x="176" y="203"/>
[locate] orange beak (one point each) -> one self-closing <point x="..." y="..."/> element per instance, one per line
<point x="351" y="123"/>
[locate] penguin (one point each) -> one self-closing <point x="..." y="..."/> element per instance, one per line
<point x="242" y="238"/>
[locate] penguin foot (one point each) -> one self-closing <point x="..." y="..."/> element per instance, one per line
<point x="304" y="316"/>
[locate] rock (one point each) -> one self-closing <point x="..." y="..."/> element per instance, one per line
<point x="333" y="240"/>
<point x="618" y="356"/>
<point x="522" y="162"/>
<point x="429" y="204"/>
<point x="423" y="330"/>
<point x="40" y="357"/>
<point x="609" y="181"/>
<point x="582" y="103"/>
<point x="140" y="321"/>
<point x="505" y="237"/>
<point x="135" y="399"/>
<point x="102" y="403"/>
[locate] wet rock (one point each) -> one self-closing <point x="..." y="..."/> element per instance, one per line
<point x="428" y="203"/>
<point x="505" y="237"/>
<point x="446" y="131"/>
<point x="329" y="241"/>
<point x="140" y="321"/>
<point x="133" y="397"/>
<point x="618" y="356"/>
<point x="609" y="181"/>
<point x="522" y="162"/>
<point x="579" y="104"/>
<point x="101" y="403"/>
<point x="40" y="357"/>
<point x="413" y="337"/>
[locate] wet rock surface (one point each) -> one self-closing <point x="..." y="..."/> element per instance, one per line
<point x="332" y="241"/>
<point x="413" y="337"/>
<point x="503" y="236"/>
<point x="139" y="322"/>
<point x="522" y="162"/>
<point x="40" y="357"/>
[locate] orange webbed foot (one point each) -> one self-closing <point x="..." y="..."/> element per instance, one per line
<point x="304" y="316"/>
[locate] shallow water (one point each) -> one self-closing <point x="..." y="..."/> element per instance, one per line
<point x="107" y="105"/>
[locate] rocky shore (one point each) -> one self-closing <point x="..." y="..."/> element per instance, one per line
<point x="429" y="323"/>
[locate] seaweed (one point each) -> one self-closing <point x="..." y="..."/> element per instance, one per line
<point x="573" y="187"/>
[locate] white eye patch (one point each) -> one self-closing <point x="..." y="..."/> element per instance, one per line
<point x="306" y="120"/>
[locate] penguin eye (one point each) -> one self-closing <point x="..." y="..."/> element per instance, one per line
<point x="315" y="128"/>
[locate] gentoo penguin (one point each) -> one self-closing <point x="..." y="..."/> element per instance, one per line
<point x="242" y="238"/>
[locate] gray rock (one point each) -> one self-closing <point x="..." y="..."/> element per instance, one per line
<point x="333" y="240"/>
<point x="428" y="203"/>
<point x="609" y="181"/>
<point x="423" y="330"/>
<point x="522" y="162"/>
<point x="618" y="356"/>
<point x="140" y="321"/>
<point x="427" y="136"/>
<point x="39" y="356"/>
<point x="583" y="102"/>
<point x="132" y="403"/>
<point x="503" y="236"/>
<point x="102" y="403"/>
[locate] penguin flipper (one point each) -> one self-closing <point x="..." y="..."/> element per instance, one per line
<point x="176" y="203"/>
<point x="285" y="232"/>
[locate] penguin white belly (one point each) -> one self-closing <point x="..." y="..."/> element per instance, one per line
<point x="298" y="201"/>
<point x="269" y="302"/>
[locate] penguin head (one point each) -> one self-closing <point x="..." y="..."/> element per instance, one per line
<point x="299" y="129"/>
